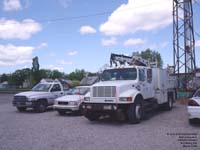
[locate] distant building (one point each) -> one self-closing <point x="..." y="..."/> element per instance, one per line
<point x="26" y="84"/>
<point x="5" y="85"/>
<point x="66" y="83"/>
<point x="89" y="79"/>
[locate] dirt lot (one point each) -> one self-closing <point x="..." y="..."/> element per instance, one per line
<point x="161" y="130"/>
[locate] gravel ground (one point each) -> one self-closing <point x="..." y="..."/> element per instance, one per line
<point x="162" y="130"/>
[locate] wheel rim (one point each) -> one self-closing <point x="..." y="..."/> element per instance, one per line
<point x="138" y="111"/>
<point x="42" y="107"/>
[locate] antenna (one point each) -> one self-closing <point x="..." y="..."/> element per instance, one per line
<point x="183" y="40"/>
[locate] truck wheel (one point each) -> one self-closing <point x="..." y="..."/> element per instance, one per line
<point x="61" y="112"/>
<point x="192" y="121"/>
<point x="169" y="104"/>
<point x="92" y="116"/>
<point x="135" y="112"/>
<point x="40" y="106"/>
<point x="21" y="109"/>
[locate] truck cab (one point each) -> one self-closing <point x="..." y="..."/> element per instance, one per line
<point x="40" y="97"/>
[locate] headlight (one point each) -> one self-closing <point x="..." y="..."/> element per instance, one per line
<point x="86" y="98"/>
<point x="73" y="103"/>
<point x="125" y="99"/>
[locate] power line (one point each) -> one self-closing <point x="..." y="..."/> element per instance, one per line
<point x="89" y="15"/>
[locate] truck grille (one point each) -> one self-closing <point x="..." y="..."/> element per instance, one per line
<point x="20" y="98"/>
<point x="104" y="91"/>
<point x="62" y="103"/>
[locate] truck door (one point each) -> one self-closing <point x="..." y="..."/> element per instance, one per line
<point x="150" y="89"/>
<point x="56" y="91"/>
<point x="142" y="82"/>
<point x="145" y="80"/>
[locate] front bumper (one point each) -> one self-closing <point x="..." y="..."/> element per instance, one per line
<point x="193" y="112"/>
<point x="66" y="107"/>
<point x="30" y="104"/>
<point x="99" y="107"/>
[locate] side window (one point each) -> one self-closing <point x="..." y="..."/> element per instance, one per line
<point x="197" y="94"/>
<point x="141" y="75"/>
<point x="149" y="75"/>
<point x="56" y="88"/>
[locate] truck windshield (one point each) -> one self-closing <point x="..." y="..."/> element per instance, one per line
<point x="41" y="87"/>
<point x="78" y="91"/>
<point x="119" y="74"/>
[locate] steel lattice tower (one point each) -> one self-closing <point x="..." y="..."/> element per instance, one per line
<point x="183" y="38"/>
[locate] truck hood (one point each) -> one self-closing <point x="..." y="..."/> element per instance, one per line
<point x="32" y="94"/>
<point x="70" y="98"/>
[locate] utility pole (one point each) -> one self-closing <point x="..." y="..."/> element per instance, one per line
<point x="183" y="41"/>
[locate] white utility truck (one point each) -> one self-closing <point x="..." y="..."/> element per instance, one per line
<point x="129" y="89"/>
<point x="40" y="97"/>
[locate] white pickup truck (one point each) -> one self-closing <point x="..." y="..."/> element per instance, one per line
<point x="40" y="97"/>
<point x="129" y="90"/>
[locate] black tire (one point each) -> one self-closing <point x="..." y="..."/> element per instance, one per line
<point x="135" y="111"/>
<point x="92" y="116"/>
<point x="169" y="104"/>
<point x="80" y="111"/>
<point x="41" y="106"/>
<point x="21" y="109"/>
<point x="192" y="121"/>
<point x="61" y="112"/>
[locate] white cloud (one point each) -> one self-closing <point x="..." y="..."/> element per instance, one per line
<point x="11" y="5"/>
<point x="63" y="62"/>
<point x="138" y="15"/>
<point x="11" y="55"/>
<point x="72" y="53"/>
<point x="87" y="30"/>
<point x="109" y="42"/>
<point x="197" y="43"/>
<point x="42" y="45"/>
<point x="64" y="3"/>
<point x="132" y="42"/>
<point x="12" y="29"/>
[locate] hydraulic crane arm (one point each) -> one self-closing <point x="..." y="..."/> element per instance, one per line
<point x="122" y="59"/>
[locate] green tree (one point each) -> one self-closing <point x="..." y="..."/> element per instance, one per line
<point x="35" y="64"/>
<point x="35" y="74"/>
<point x="3" y="78"/>
<point x="56" y="74"/>
<point x="77" y="75"/>
<point x="19" y="76"/>
<point x="152" y="56"/>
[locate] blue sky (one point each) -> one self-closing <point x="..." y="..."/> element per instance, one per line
<point x="76" y="34"/>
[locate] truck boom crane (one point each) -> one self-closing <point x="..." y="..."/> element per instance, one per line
<point x="122" y="59"/>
